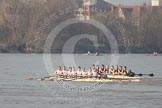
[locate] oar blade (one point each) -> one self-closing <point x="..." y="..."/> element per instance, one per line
<point x="151" y="75"/>
<point x="30" y="78"/>
<point x="140" y="74"/>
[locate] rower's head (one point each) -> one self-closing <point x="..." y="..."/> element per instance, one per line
<point x="97" y="67"/>
<point x="79" y="68"/>
<point x="130" y="71"/>
<point x="93" y="66"/>
<point x="107" y="66"/>
<point x="70" y="68"/>
<point x="64" y="67"/>
<point x="103" y="66"/>
<point x="73" y="68"/>
<point x="116" y="67"/>
<point x="125" y="67"/>
<point x="83" y="69"/>
<point x="59" y="67"/>
<point x="120" y="67"/>
<point x="112" y="67"/>
<point x="90" y="68"/>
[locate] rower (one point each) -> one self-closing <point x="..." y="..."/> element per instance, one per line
<point x="125" y="71"/>
<point x="107" y="70"/>
<point x="90" y="74"/>
<point x="94" y="72"/>
<point x="102" y="70"/>
<point x="74" y="74"/>
<point x="112" y="70"/>
<point x="131" y="74"/>
<point x="60" y="74"/>
<point x="93" y="66"/>
<point x="98" y="68"/>
<point x="120" y="70"/>
<point x="98" y="71"/>
<point x="84" y="73"/>
<point x="58" y="71"/>
<point x="116" y="70"/>
<point x="70" y="72"/>
<point x="79" y="72"/>
<point x="64" y="71"/>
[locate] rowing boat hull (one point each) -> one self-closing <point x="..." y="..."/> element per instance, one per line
<point x="105" y="80"/>
<point x="111" y="78"/>
<point x="121" y="77"/>
<point x="91" y="80"/>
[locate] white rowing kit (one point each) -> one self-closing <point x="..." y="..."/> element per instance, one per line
<point x="94" y="71"/>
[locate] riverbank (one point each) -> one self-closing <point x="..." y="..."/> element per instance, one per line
<point x="122" y="50"/>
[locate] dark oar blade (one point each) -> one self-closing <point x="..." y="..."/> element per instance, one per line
<point x="151" y="75"/>
<point x="140" y="74"/>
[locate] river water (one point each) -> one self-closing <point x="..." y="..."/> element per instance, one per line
<point x="18" y="92"/>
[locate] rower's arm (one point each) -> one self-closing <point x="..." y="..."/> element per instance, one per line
<point x="120" y="72"/>
<point x="113" y="71"/>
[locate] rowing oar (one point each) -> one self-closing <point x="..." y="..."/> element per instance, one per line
<point x="36" y="79"/>
<point x="40" y="78"/>
<point x="151" y="75"/>
<point x="133" y="74"/>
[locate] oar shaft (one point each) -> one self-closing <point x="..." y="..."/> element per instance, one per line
<point x="145" y="74"/>
<point x="41" y="78"/>
<point x="49" y="76"/>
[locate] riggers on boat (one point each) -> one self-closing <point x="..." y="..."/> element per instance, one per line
<point x="121" y="77"/>
<point x="106" y="80"/>
<point x="112" y="79"/>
